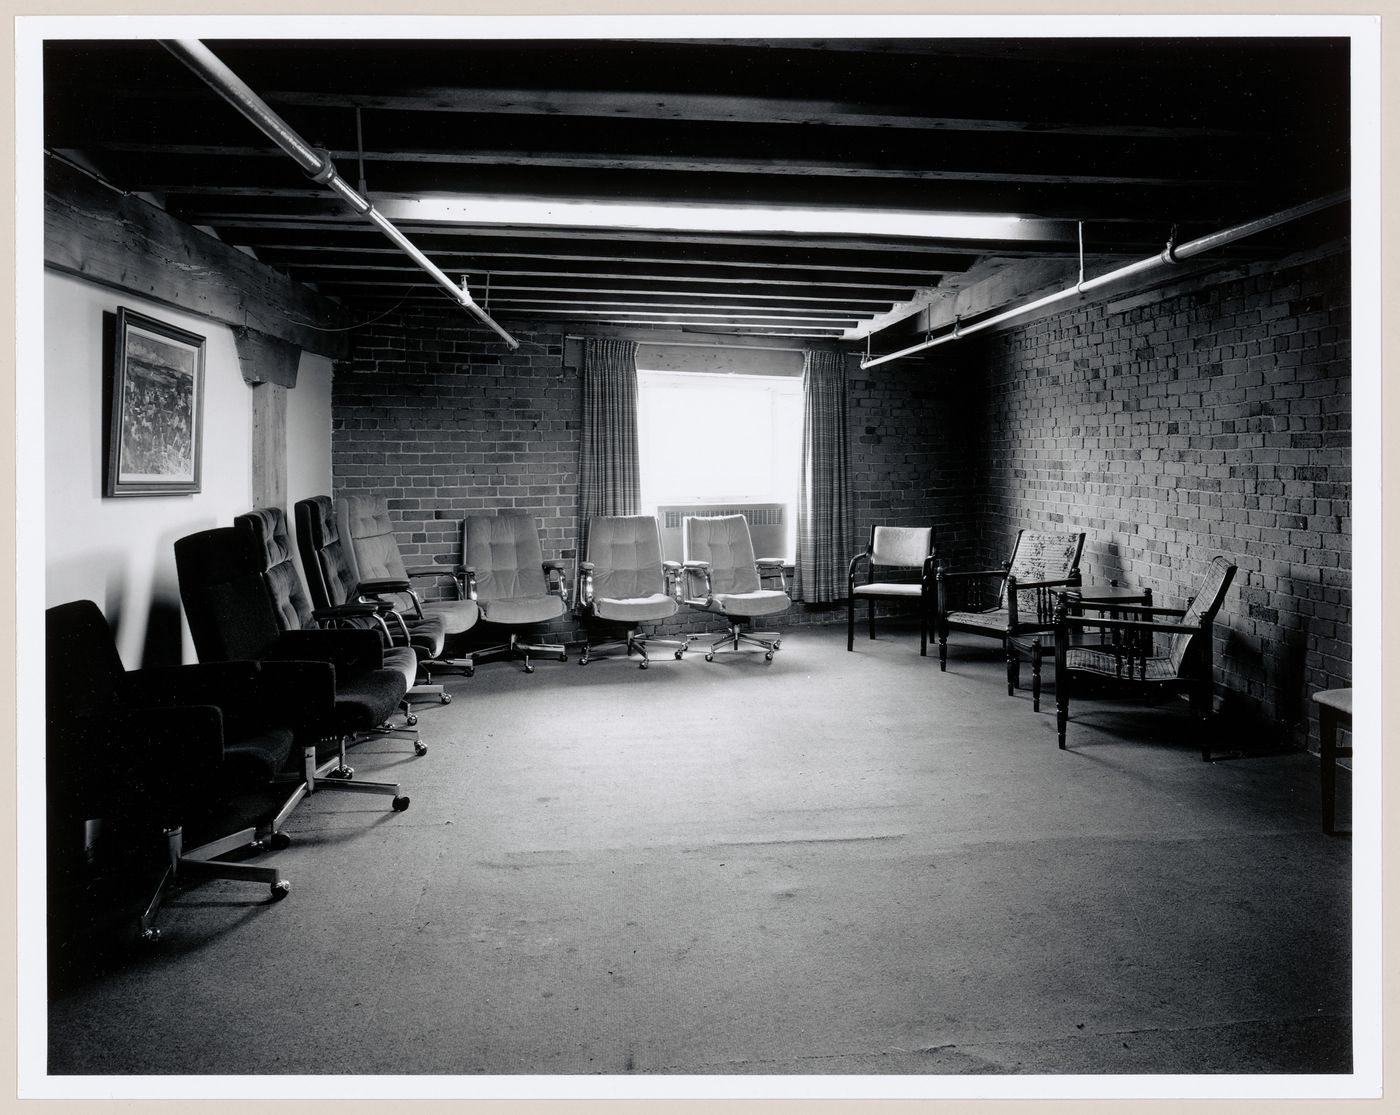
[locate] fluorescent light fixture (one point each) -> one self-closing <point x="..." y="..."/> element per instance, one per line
<point x="489" y="210"/>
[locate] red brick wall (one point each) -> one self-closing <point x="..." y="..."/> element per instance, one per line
<point x="1215" y="421"/>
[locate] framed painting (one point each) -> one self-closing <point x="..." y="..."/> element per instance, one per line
<point x="155" y="435"/>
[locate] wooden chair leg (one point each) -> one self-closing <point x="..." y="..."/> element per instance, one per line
<point x="1013" y="669"/>
<point x="1037" y="653"/>
<point x="851" y="623"/>
<point x="923" y="633"/>
<point x="870" y="615"/>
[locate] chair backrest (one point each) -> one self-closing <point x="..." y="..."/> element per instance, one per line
<point x="325" y="556"/>
<point x="1210" y="594"/>
<point x="505" y="552"/>
<point x="626" y="554"/>
<point x="1043" y="555"/>
<point x="901" y="546"/>
<point x="723" y="541"/>
<point x="369" y="532"/>
<point x="268" y="528"/>
<point x="225" y="599"/>
<point x="83" y="666"/>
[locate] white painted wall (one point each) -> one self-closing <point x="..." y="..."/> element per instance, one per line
<point x="120" y="552"/>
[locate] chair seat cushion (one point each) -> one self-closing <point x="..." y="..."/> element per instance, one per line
<point x="404" y="661"/>
<point x="254" y="759"/>
<point x="368" y="699"/>
<point x="1104" y="663"/>
<point x="889" y="588"/>
<point x="522" y="609"/>
<point x="635" y="609"/>
<point x="456" y="615"/>
<point x="764" y="602"/>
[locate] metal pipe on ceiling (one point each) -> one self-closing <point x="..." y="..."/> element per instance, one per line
<point x="315" y="163"/>
<point x="1172" y="253"/>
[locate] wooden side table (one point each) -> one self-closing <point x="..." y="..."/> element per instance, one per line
<point x="1333" y="712"/>
<point x="1109" y="594"/>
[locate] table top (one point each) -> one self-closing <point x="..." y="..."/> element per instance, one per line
<point x="1107" y="594"/>
<point x="1339" y="699"/>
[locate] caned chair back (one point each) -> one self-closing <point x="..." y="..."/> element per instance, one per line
<point x="723" y="541"/>
<point x="903" y="546"/>
<point x="506" y="554"/>
<point x="1203" y="608"/>
<point x="366" y="527"/>
<point x="1042" y="555"/>
<point x="268" y="526"/>
<point x="325" y="556"/>
<point x="626" y="554"/>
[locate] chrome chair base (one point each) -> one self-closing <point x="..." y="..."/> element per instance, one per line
<point x="731" y="640"/>
<point x="634" y="643"/>
<point x="517" y="649"/>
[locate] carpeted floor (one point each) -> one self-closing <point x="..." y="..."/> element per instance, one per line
<point x="829" y="864"/>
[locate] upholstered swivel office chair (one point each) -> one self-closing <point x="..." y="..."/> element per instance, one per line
<point x="511" y="582"/>
<point x="331" y="581"/>
<point x="230" y="612"/>
<point x="893" y="548"/>
<point x="162" y="772"/>
<point x="1126" y="662"/>
<point x="1017" y="599"/>
<point x="723" y="577"/>
<point x="625" y="581"/>
<point x="365" y="525"/>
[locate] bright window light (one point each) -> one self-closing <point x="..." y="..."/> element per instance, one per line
<point x="714" y="440"/>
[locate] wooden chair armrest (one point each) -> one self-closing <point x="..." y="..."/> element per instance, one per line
<point x="1130" y="625"/>
<point x="967" y="574"/>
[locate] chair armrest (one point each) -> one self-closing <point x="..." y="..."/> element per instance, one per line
<point x="769" y="563"/>
<point x="374" y="588"/>
<point x="584" y="593"/>
<point x="366" y="610"/>
<point x="695" y="569"/>
<point x="1026" y="586"/>
<point x="221" y="684"/>
<point x="555" y="583"/>
<point x="1132" y="625"/>
<point x="967" y="574"/>
<point x="349" y="650"/>
<point x="436" y="571"/>
<point x="1132" y="609"/>
<point x="554" y="563"/>
<point x="671" y="566"/>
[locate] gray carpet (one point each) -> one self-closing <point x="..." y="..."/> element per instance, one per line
<point x="831" y="863"/>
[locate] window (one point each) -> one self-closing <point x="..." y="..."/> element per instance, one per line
<point x="721" y="442"/>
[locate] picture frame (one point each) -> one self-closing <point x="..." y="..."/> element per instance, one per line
<point x="155" y="435"/>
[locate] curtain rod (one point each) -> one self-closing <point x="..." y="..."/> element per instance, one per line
<point x="695" y="344"/>
<point x="1172" y="253"/>
<point x="315" y="163"/>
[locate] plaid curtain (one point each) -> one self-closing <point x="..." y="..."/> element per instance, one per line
<point x="824" y="503"/>
<point x="609" y="475"/>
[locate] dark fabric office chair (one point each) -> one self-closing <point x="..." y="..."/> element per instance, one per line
<point x="893" y="548"/>
<point x="231" y="616"/>
<point x="1126" y="661"/>
<point x="365" y="525"/>
<point x="509" y="579"/>
<point x="332" y="580"/>
<point x="723" y="577"/>
<point x="625" y="581"/>
<point x="160" y="773"/>
<point x="1016" y="600"/>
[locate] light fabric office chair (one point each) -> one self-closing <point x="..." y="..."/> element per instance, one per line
<point x="722" y="576"/>
<point x="894" y="548"/>
<point x="1042" y="562"/>
<point x="365" y="524"/>
<point x="509" y="580"/>
<point x="624" y="580"/>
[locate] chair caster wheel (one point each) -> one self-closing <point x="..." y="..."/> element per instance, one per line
<point x="529" y="669"/>
<point x="344" y="773"/>
<point x="583" y="661"/>
<point x="643" y="666"/>
<point x="470" y="671"/>
<point x="410" y="720"/>
<point x="564" y="657"/>
<point x="679" y="653"/>
<point x="768" y="657"/>
<point x="280" y="840"/>
<point x="446" y="698"/>
<point x="280" y="890"/>
<point x="710" y="657"/>
<point x="400" y="803"/>
<point x="149" y="937"/>
<point x="777" y="644"/>
<point x="420" y="748"/>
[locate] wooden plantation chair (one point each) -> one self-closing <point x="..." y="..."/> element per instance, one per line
<point x="892" y="548"/>
<point x="1025" y="592"/>
<point x="1125" y="662"/>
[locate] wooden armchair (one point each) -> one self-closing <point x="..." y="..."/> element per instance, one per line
<point x="1125" y="661"/>
<point x="1017" y="599"/>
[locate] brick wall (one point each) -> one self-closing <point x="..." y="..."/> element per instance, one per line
<point x="1213" y="421"/>
<point x="440" y="418"/>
